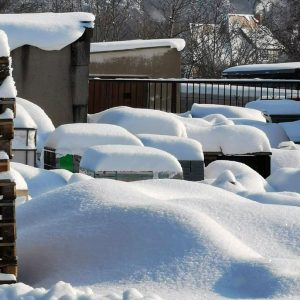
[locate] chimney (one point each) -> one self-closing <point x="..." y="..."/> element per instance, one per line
<point x="259" y="18"/>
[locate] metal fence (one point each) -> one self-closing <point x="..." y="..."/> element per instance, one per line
<point x="178" y="95"/>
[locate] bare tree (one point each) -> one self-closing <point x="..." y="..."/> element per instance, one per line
<point x="209" y="43"/>
<point x="283" y="19"/>
<point x="114" y="18"/>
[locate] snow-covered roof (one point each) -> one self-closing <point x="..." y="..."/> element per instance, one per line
<point x="247" y="27"/>
<point x="237" y="91"/>
<point x="47" y="31"/>
<point x="262" y="38"/>
<point x="129" y="158"/>
<point x="282" y="67"/>
<point x="179" y="44"/>
<point x="249" y="19"/>
<point x="76" y="138"/>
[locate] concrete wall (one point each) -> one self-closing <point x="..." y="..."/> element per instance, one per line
<point x="43" y="77"/>
<point x="57" y="81"/>
<point x="162" y="62"/>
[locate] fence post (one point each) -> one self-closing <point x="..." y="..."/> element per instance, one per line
<point x="174" y="97"/>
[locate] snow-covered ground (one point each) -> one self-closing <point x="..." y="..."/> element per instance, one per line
<point x="233" y="236"/>
<point x="177" y="239"/>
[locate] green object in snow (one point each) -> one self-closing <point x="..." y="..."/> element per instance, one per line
<point x="66" y="162"/>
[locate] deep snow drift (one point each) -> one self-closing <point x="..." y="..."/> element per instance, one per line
<point x="177" y="239"/>
<point x="234" y="236"/>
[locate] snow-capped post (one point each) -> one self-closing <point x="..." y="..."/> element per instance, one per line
<point x="8" y="93"/>
<point x="50" y="54"/>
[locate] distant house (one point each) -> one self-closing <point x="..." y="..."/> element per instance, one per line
<point x="238" y="39"/>
<point x="141" y="58"/>
<point x="50" y="60"/>
<point x="249" y="37"/>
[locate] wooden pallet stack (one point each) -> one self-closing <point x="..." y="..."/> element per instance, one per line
<point x="8" y="257"/>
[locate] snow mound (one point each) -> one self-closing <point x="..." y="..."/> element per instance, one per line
<point x="292" y="129"/>
<point x="180" y="239"/>
<point x="240" y="175"/>
<point x="39" y="117"/>
<point x="62" y="290"/>
<point x="282" y="158"/>
<point x="138" y="120"/>
<point x="19" y="180"/>
<point x="285" y="179"/>
<point x="217" y="119"/>
<point x="39" y="181"/>
<point x="242" y="180"/>
<point x="76" y="138"/>
<point x="129" y="158"/>
<point x="8" y="88"/>
<point x="181" y="148"/>
<point x="3" y="155"/>
<point x="194" y="122"/>
<point x="47" y="31"/>
<point x="227" y="181"/>
<point x="238" y="139"/>
<point x="276" y="198"/>
<point x="276" y="107"/>
<point x="202" y="110"/>
<point x="209" y="120"/>
<point x="7" y="114"/>
<point x="78" y="177"/>
<point x="4" y="49"/>
<point x="275" y="133"/>
<point x="23" y="118"/>
<point x="65" y="174"/>
<point x="289" y="145"/>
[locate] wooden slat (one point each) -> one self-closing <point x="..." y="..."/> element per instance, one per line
<point x="8" y="103"/>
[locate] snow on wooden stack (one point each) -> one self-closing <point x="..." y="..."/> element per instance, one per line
<point x="8" y="259"/>
<point x="129" y="163"/>
<point x="8" y="91"/>
<point x="208" y="124"/>
<point x="67" y="143"/>
<point x="223" y="141"/>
